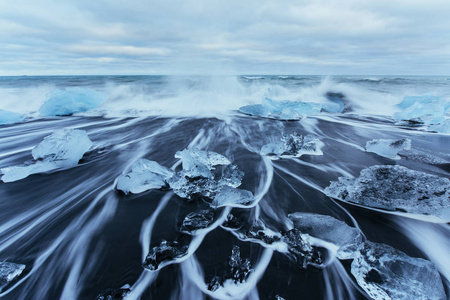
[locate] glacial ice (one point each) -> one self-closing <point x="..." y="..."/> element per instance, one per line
<point x="195" y="221"/>
<point x="443" y="127"/>
<point x="8" y="272"/>
<point x="62" y="149"/>
<point x="200" y="177"/>
<point x="388" y="148"/>
<point x="395" y="187"/>
<point x="9" y="117"/>
<point x="301" y="250"/>
<point x="329" y="229"/>
<point x="71" y="100"/>
<point x="144" y="175"/>
<point x="115" y="294"/>
<point x="200" y="163"/>
<point x="425" y="109"/>
<point x="230" y="196"/>
<point x="386" y="273"/>
<point x="238" y="273"/>
<point x="283" y="110"/>
<point x="293" y="145"/>
<point x="164" y="254"/>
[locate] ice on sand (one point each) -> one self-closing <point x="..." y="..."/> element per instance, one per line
<point x="60" y="150"/>
<point x="8" y="272"/>
<point x="200" y="163"/>
<point x="71" y="100"/>
<point x="386" y="273"/>
<point x="164" y="254"/>
<point x="196" y="221"/>
<point x="9" y="117"/>
<point x="283" y="110"/>
<point x="426" y="109"/>
<point x="396" y="187"/>
<point x="293" y="145"/>
<point x="230" y="196"/>
<point x="388" y="148"/>
<point x="144" y="175"/>
<point x="329" y="229"/>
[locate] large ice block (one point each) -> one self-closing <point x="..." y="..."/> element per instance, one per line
<point x="71" y="100"/>
<point x="388" y="148"/>
<point x="396" y="188"/>
<point x="60" y="150"/>
<point x="9" y="117"/>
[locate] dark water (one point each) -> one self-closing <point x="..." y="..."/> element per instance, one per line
<point x="78" y="236"/>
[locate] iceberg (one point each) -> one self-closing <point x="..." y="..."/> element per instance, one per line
<point x="283" y="110"/>
<point x="61" y="150"/>
<point x="293" y="145"/>
<point x="71" y="100"/>
<point x="329" y="229"/>
<point x="388" y="148"/>
<point x="395" y="188"/>
<point x="386" y="273"/>
<point x="8" y="272"/>
<point x="164" y="254"/>
<point x="144" y="175"/>
<point x="9" y="117"/>
<point x="240" y="270"/>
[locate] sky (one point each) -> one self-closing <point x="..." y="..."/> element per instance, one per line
<point x="304" y="37"/>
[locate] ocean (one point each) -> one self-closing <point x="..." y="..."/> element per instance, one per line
<point x="303" y="233"/>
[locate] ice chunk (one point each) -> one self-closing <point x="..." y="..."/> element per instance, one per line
<point x="60" y="150"/>
<point x="283" y="110"/>
<point x="115" y="294"/>
<point x="71" y="100"/>
<point x="386" y="273"/>
<point x="396" y="187"/>
<point x="423" y="157"/>
<point x="429" y="111"/>
<point x="197" y="220"/>
<point x="8" y="272"/>
<point x="144" y="175"/>
<point x="388" y="148"/>
<point x="200" y="163"/>
<point x="329" y="229"/>
<point x="408" y="101"/>
<point x="294" y="145"/>
<point x="9" y="117"/>
<point x="239" y="271"/>
<point x="443" y="127"/>
<point x="301" y="250"/>
<point x="230" y="196"/>
<point x="164" y="254"/>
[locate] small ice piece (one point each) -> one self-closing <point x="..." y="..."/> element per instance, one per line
<point x="195" y="221"/>
<point x="8" y="272"/>
<point x="329" y="229"/>
<point x="233" y="197"/>
<point x="395" y="187"/>
<point x="61" y="150"/>
<point x="293" y="145"/>
<point x="9" y="117"/>
<point x="199" y="163"/>
<point x="301" y="250"/>
<point x="387" y="273"/>
<point x="164" y="254"/>
<point x="143" y="176"/>
<point x="115" y="294"/>
<point x="239" y="271"/>
<point x="388" y="148"/>
<point x="71" y="100"/>
<point x="443" y="127"/>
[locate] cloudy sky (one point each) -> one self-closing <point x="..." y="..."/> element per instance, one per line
<point x="325" y="37"/>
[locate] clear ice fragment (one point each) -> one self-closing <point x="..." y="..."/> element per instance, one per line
<point x="195" y="221"/>
<point x="144" y="175"/>
<point x="164" y="254"/>
<point x="8" y="272"/>
<point x="199" y="163"/>
<point x="115" y="294"/>
<point x="388" y="148"/>
<point x="293" y="145"/>
<point x="230" y="196"/>
<point x="396" y="187"/>
<point x="386" y="273"/>
<point x="61" y="150"/>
